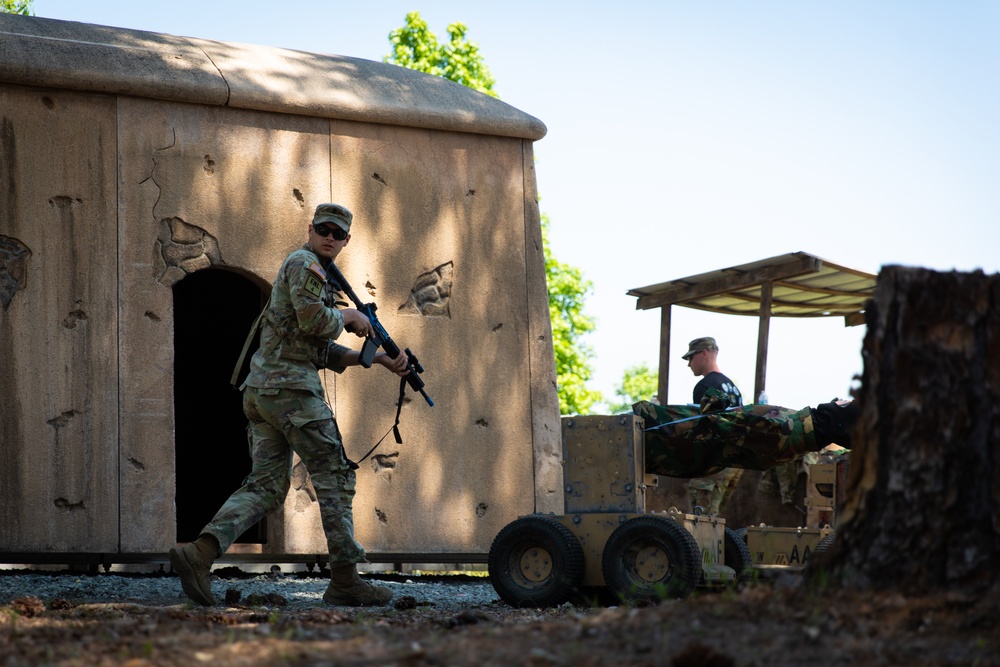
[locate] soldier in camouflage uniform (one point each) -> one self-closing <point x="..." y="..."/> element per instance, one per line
<point x="688" y="441"/>
<point x="284" y="402"/>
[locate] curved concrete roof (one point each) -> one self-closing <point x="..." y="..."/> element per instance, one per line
<point x="81" y="56"/>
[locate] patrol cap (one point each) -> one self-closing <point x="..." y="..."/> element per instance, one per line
<point x="699" y="344"/>
<point x="333" y="214"/>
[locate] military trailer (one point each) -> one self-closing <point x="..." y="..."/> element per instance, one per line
<point x="783" y="547"/>
<point x="607" y="539"/>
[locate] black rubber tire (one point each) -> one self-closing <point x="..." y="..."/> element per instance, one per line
<point x="650" y="558"/>
<point x="737" y="554"/>
<point x="535" y="561"/>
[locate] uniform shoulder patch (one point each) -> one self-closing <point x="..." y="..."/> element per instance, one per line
<point x="318" y="270"/>
<point x="315" y="278"/>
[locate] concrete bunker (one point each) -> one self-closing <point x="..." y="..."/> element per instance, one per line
<point x="180" y="170"/>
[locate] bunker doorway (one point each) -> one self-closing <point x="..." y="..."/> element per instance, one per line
<point x="213" y="310"/>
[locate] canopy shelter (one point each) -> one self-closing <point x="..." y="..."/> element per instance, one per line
<point x="792" y="285"/>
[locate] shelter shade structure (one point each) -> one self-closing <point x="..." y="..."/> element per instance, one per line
<point x="791" y="285"/>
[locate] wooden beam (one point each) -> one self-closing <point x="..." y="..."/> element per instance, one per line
<point x="742" y="280"/>
<point x="763" y="332"/>
<point x="664" y="371"/>
<point x="854" y="319"/>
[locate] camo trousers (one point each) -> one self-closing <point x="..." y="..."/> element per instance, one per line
<point x="713" y="492"/>
<point x="282" y="421"/>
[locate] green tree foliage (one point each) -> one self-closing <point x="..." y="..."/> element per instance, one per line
<point x="414" y="46"/>
<point x="639" y="383"/>
<point x="22" y="7"/>
<point x="567" y="292"/>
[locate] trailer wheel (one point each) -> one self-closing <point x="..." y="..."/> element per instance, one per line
<point x="535" y="561"/>
<point x="651" y="558"/>
<point x="737" y="554"/>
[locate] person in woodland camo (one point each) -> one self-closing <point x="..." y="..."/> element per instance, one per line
<point x="690" y="441"/>
<point x="283" y="400"/>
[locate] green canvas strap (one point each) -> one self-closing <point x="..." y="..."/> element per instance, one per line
<point x="246" y="346"/>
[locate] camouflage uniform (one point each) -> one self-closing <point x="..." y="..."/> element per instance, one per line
<point x="284" y="402"/>
<point x="757" y="437"/>
<point x="713" y="492"/>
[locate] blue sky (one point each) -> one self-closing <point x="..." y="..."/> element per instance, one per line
<point x="685" y="137"/>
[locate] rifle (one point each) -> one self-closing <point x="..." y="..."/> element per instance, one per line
<point x="381" y="339"/>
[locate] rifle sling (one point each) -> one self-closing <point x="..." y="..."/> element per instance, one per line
<point x="395" y="426"/>
<point x="246" y="346"/>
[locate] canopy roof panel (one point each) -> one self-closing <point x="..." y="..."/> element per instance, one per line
<point x="802" y="285"/>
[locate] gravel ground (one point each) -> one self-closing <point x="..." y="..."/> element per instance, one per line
<point x="299" y="590"/>
<point x="117" y="619"/>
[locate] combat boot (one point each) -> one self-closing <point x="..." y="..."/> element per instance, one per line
<point x="193" y="564"/>
<point x="347" y="588"/>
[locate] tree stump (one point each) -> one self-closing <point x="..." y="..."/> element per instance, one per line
<point x="923" y="508"/>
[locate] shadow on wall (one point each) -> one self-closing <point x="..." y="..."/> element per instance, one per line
<point x="213" y="310"/>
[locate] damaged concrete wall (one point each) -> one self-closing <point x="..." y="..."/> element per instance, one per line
<point x="58" y="333"/>
<point x="118" y="181"/>
<point x="431" y="237"/>
<point x="199" y="187"/>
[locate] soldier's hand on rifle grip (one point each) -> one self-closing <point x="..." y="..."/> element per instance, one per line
<point x="399" y="365"/>
<point x="357" y="323"/>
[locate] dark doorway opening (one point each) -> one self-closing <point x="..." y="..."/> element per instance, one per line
<point x="213" y="311"/>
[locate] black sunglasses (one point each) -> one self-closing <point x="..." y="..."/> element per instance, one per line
<point x="325" y="230"/>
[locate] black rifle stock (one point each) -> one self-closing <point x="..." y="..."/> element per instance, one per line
<point x="381" y="339"/>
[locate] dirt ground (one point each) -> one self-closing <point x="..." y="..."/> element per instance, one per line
<point x="763" y="624"/>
